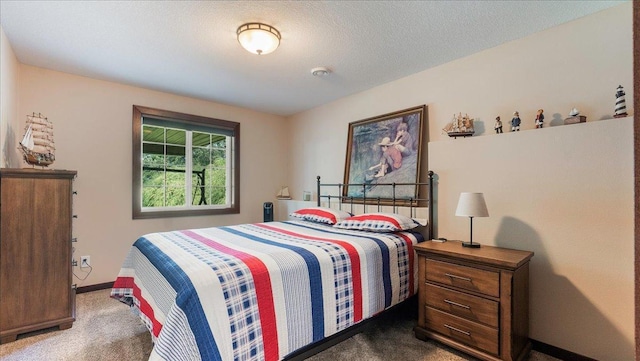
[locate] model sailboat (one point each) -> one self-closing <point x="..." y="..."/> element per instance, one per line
<point x="460" y="126"/>
<point x="283" y="193"/>
<point x="37" y="144"/>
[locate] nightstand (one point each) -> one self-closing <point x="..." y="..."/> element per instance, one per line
<point x="474" y="299"/>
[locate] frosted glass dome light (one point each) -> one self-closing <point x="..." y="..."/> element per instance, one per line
<point x="258" y="38"/>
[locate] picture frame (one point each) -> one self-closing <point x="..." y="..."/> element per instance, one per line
<point x="384" y="149"/>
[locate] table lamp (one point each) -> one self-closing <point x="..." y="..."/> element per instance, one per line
<point x="471" y="205"/>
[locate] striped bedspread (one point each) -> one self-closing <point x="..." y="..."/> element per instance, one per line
<point x="261" y="291"/>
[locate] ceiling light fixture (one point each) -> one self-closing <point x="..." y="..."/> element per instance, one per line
<point x="258" y="38"/>
<point x="320" y="71"/>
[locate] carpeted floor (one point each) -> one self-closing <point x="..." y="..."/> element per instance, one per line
<point x="105" y="329"/>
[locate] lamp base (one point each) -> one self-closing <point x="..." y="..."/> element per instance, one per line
<point x="470" y="244"/>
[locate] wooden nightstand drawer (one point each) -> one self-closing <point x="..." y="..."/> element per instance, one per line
<point x="470" y="333"/>
<point x="473" y="308"/>
<point x="468" y="278"/>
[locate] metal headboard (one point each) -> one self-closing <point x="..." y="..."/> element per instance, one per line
<point x="411" y="203"/>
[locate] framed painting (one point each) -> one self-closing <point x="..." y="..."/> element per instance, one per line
<point x="384" y="149"/>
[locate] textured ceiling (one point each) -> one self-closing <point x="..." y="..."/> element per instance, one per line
<point x="190" y="47"/>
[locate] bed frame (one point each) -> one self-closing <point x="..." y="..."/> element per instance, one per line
<point x="365" y="203"/>
<point x="412" y="203"/>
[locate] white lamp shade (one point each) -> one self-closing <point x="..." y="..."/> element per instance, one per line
<point x="258" y="38"/>
<point x="472" y="205"/>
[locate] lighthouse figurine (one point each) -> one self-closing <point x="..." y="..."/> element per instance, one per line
<point x="621" y="106"/>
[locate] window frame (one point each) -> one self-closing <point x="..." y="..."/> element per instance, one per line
<point x="215" y="124"/>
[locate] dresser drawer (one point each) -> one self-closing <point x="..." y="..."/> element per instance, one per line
<point x="470" y="333"/>
<point x="468" y="278"/>
<point x="471" y="307"/>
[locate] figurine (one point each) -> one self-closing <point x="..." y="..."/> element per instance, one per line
<point x="621" y="106"/>
<point x="515" y="122"/>
<point x="575" y="117"/>
<point x="539" y="118"/>
<point x="498" y="125"/>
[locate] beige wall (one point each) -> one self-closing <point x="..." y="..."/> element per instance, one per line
<point x="92" y="127"/>
<point x="564" y="192"/>
<point x="9" y="121"/>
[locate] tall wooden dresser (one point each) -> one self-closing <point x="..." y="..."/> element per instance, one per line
<point x="36" y="289"/>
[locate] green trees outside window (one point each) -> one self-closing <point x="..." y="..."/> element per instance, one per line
<point x="184" y="164"/>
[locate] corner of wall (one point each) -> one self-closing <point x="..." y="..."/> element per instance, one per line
<point x="9" y="72"/>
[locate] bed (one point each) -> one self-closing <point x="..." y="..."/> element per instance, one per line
<point x="268" y="291"/>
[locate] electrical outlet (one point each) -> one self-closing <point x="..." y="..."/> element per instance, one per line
<point x="85" y="261"/>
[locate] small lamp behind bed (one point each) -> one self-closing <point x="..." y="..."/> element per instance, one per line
<point x="471" y="205"/>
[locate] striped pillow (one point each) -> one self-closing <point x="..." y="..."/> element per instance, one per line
<point x="321" y="215"/>
<point x="378" y="222"/>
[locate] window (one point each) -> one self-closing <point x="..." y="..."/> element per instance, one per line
<point x="184" y="165"/>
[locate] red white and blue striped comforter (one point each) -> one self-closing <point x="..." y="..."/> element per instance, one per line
<point x="261" y="291"/>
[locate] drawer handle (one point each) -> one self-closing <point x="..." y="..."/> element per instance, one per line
<point x="458" y="330"/>
<point x="456" y="304"/>
<point x="458" y="277"/>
